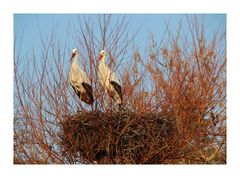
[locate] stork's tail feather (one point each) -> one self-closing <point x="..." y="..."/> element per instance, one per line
<point x="91" y="99"/>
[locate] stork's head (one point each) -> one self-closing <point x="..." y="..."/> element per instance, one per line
<point x="74" y="53"/>
<point x="102" y="54"/>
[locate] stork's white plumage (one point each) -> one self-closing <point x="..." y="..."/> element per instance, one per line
<point x="79" y="80"/>
<point x="108" y="80"/>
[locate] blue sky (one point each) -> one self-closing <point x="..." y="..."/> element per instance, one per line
<point x="31" y="24"/>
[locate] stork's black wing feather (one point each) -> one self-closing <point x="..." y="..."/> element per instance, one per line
<point x="117" y="87"/>
<point x="75" y="89"/>
<point x="88" y="89"/>
<point x="87" y="96"/>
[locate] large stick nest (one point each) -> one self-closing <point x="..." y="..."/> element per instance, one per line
<point x="121" y="137"/>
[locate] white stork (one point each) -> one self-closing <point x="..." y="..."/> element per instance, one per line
<point x="108" y="80"/>
<point x="79" y="80"/>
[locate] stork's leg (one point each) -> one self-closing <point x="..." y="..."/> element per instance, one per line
<point x="80" y="107"/>
<point x="80" y="98"/>
<point x="92" y="107"/>
<point x="108" y="100"/>
<point x="120" y="107"/>
<point x="109" y="103"/>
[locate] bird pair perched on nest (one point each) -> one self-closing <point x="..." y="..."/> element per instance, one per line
<point x="82" y="85"/>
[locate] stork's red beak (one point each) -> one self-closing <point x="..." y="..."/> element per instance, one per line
<point x="72" y="56"/>
<point x="100" y="57"/>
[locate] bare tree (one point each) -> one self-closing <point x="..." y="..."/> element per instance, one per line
<point x="179" y="81"/>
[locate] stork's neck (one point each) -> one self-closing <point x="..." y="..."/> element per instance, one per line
<point x="103" y="59"/>
<point x="74" y="60"/>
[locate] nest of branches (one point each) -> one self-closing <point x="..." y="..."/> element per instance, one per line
<point x="121" y="137"/>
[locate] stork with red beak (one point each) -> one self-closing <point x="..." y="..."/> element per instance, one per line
<point x="79" y="80"/>
<point x="109" y="80"/>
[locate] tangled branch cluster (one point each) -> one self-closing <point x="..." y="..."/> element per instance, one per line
<point x="118" y="137"/>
